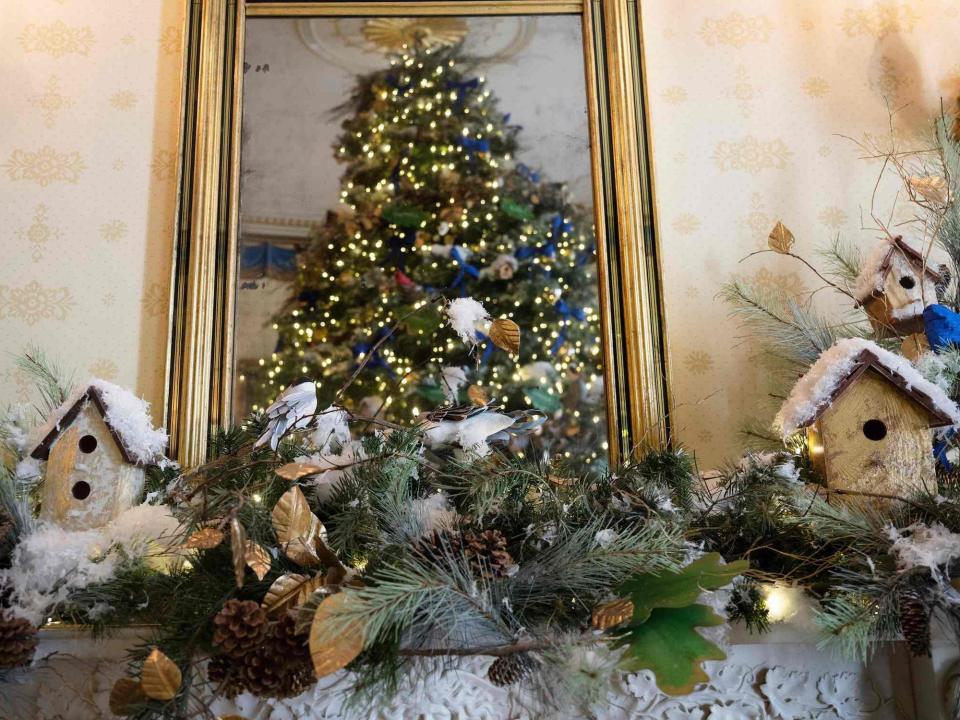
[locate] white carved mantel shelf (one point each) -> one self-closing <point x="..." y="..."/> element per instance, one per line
<point x="777" y="675"/>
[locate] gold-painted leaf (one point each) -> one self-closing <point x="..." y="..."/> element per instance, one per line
<point x="913" y="346"/>
<point x="291" y="590"/>
<point x="295" y="471"/>
<point x="302" y="552"/>
<point x="477" y="395"/>
<point x="505" y="334"/>
<point x="334" y="641"/>
<point x="238" y="549"/>
<point x="292" y="517"/>
<point x="160" y="677"/>
<point x="781" y="239"/>
<point x="257" y="559"/>
<point x="125" y="693"/>
<point x="610" y="614"/>
<point x="931" y="188"/>
<point x="204" y="539"/>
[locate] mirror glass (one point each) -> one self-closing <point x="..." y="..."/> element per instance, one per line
<point x="391" y="165"/>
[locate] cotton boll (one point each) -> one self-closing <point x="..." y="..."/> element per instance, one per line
<point x="451" y="380"/>
<point x="466" y="316"/>
<point x="434" y="513"/>
<point x="920" y="545"/>
<point x="337" y="465"/>
<point x="332" y="428"/>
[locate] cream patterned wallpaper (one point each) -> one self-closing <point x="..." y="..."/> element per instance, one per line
<point x="748" y="101"/>
<point x="91" y="96"/>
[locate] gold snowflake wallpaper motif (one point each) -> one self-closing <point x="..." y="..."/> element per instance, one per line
<point x="57" y="39"/>
<point x="33" y="303"/>
<point x="51" y="101"/>
<point x="40" y="232"/>
<point x="45" y="166"/>
<point x="751" y="155"/>
<point x="736" y="30"/>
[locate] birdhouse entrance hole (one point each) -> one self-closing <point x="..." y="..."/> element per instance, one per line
<point x="875" y="429"/>
<point x="81" y="489"/>
<point x="907" y="282"/>
<point x="88" y="443"/>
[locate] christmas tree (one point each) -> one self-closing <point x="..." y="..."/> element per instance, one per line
<point x="434" y="204"/>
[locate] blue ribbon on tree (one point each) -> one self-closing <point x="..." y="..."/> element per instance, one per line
<point x="465" y="269"/>
<point x="375" y="359"/>
<point x="525" y="172"/>
<point x="462" y="89"/>
<point x="473" y="145"/>
<point x="488" y="348"/>
<point x="566" y="312"/>
<point x="548" y="249"/>
<point x="397" y="243"/>
<point x="584" y="256"/>
<point x="558" y="226"/>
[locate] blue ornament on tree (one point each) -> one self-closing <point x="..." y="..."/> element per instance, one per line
<point x="942" y="326"/>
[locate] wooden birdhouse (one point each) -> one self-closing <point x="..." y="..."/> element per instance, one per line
<point x="868" y="416"/>
<point x="894" y="286"/>
<point x="95" y="447"/>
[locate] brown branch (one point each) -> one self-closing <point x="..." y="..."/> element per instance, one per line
<point x="520" y="646"/>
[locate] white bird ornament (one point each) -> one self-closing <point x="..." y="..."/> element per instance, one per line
<point x="293" y="408"/>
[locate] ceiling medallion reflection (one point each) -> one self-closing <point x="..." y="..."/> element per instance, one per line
<point x="392" y="34"/>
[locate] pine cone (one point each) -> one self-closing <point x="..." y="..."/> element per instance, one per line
<point x="487" y="552"/>
<point x="278" y="667"/>
<point x="915" y="623"/>
<point x="240" y="626"/>
<point x="18" y="641"/>
<point x="510" y="669"/>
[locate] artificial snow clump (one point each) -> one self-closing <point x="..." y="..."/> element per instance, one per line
<point x="466" y="316"/>
<point x="334" y="467"/>
<point x="451" y="380"/>
<point x="332" y="428"/>
<point x="434" y="513"/>
<point x="129" y="416"/>
<point x="920" y="545"/>
<point x="606" y="537"/>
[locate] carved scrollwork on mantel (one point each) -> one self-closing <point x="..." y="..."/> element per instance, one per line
<point x="761" y="680"/>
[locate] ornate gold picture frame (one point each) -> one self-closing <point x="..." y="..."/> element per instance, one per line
<point x="205" y="274"/>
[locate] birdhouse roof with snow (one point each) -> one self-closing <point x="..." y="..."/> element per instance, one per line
<point x="125" y="415"/>
<point x="841" y="366"/>
<point x="882" y="259"/>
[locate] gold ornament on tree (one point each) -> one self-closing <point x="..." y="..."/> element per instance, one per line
<point x="392" y="34"/>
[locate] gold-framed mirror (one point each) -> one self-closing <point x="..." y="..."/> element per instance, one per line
<point x="254" y="271"/>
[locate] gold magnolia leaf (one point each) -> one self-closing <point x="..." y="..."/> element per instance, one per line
<point x="302" y="552"/>
<point x="257" y="559"/>
<point x="238" y="549"/>
<point x="160" y="677"/>
<point x="781" y="239"/>
<point x="931" y="188"/>
<point x="610" y="614"/>
<point x="505" y="334"/>
<point x="292" y="517"/>
<point x="290" y="590"/>
<point x="477" y="395"/>
<point x="125" y="693"/>
<point x="334" y="642"/>
<point x="205" y="539"/>
<point x="295" y="471"/>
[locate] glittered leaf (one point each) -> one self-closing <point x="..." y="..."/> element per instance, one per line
<point x="477" y="395"/>
<point x="160" y="677"/>
<point x="613" y="613"/>
<point x="205" y="539"/>
<point x="677" y="589"/>
<point x="238" y="542"/>
<point x="669" y="645"/>
<point x="124" y="695"/>
<point x="295" y="471"/>
<point x="511" y="208"/>
<point x="257" y="559"/>
<point x="780" y="239"/>
<point x="290" y="590"/>
<point x="334" y="641"/>
<point x="505" y="334"/>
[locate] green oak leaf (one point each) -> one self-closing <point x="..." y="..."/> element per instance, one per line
<point x="669" y="645"/>
<point x="681" y="588"/>
<point x="409" y="217"/>
<point x="512" y="208"/>
<point x="542" y="400"/>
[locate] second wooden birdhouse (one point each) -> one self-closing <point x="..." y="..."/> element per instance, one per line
<point x="868" y="416"/>
<point x="894" y="286"/>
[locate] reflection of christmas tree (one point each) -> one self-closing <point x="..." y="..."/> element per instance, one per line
<point x="434" y="203"/>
